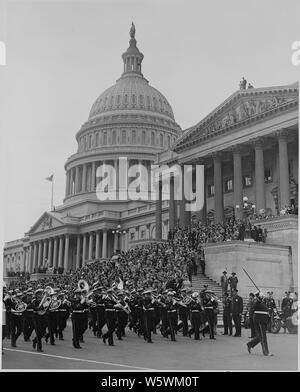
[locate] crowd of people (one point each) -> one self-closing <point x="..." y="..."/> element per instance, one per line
<point x="145" y="288"/>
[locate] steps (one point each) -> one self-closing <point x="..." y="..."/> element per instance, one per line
<point x="198" y="283"/>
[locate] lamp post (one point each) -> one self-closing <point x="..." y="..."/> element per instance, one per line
<point x="247" y="209"/>
<point x="118" y="232"/>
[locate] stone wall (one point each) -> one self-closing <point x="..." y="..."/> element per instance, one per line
<point x="268" y="265"/>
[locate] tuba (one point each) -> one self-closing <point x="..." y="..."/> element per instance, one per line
<point x="83" y="285"/>
<point x="54" y="304"/>
<point x="20" y="306"/>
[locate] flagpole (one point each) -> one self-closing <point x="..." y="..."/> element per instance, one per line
<point x="52" y="186"/>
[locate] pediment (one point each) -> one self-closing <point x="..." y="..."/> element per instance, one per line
<point x="243" y="105"/>
<point x="46" y="222"/>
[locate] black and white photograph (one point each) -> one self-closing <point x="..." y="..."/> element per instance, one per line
<point x="149" y="158"/>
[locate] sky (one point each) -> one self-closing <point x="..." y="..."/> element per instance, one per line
<point x="61" y="55"/>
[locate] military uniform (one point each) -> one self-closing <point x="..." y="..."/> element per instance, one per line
<point x="171" y="308"/>
<point x="149" y="306"/>
<point x="28" y="322"/>
<point x="210" y="304"/>
<point x="236" y="311"/>
<point x="195" y="316"/>
<point x="40" y="324"/>
<point x="78" y="320"/>
<point x="260" y="318"/>
<point x="16" y="324"/>
<point x="227" y="318"/>
<point x="110" y="317"/>
<point x="286" y="308"/>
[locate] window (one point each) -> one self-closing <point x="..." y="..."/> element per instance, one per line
<point x="123" y="137"/>
<point x="152" y="138"/>
<point x="247" y="180"/>
<point x="211" y="190"/>
<point x="161" y="138"/>
<point x="114" y="137"/>
<point x="132" y="235"/>
<point x="268" y="175"/>
<point x="133" y="137"/>
<point x="104" y="138"/>
<point x="143" y="234"/>
<point x="228" y="185"/>
<point x="90" y="141"/>
<point x="143" y="137"/>
<point x="97" y="139"/>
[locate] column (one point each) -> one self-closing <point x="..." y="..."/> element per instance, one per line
<point x="66" y="257"/>
<point x="93" y="181"/>
<point x="172" y="204"/>
<point x="104" y="244"/>
<point x="83" y="185"/>
<point x="72" y="180"/>
<point x="67" y="183"/>
<point x="60" y="252"/>
<point x="40" y="254"/>
<point x="218" y="184"/>
<point x="30" y="269"/>
<point x="44" y="251"/>
<point x="77" y="185"/>
<point x="91" y="246"/>
<point x="50" y="261"/>
<point x="84" y="249"/>
<point x="97" y="255"/>
<point x="259" y="176"/>
<point x="78" y="252"/>
<point x="237" y="183"/>
<point x="54" y="264"/>
<point x="284" y="185"/>
<point x="35" y="262"/>
<point x="158" y="212"/>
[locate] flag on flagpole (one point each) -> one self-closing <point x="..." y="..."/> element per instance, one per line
<point x="50" y="178"/>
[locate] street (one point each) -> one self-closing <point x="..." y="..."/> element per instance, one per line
<point x="133" y="353"/>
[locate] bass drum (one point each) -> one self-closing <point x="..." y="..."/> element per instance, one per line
<point x="292" y="323"/>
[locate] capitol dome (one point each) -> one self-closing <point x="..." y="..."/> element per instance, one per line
<point x="132" y="91"/>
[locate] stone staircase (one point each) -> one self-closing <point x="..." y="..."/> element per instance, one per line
<point x="198" y="283"/>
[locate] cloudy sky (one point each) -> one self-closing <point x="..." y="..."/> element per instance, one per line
<point x="62" y="54"/>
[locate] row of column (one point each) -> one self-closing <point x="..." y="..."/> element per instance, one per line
<point x="260" y="200"/>
<point x="82" y="178"/>
<point x="57" y="250"/>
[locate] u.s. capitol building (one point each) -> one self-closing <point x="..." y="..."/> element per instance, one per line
<point x="248" y="146"/>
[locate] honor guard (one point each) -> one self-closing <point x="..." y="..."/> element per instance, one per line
<point x="260" y="318"/>
<point x="227" y="319"/>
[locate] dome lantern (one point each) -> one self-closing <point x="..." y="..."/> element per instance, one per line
<point x="132" y="58"/>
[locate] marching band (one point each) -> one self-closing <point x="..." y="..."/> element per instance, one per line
<point x="45" y="313"/>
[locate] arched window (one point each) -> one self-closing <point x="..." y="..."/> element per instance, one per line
<point x="133" y="100"/>
<point x="111" y="101"/>
<point x="134" y="137"/>
<point x="141" y="100"/>
<point x="161" y="139"/>
<point x="152" y="138"/>
<point x="104" y="138"/>
<point x="154" y="103"/>
<point x="148" y="102"/>
<point x="125" y="100"/>
<point x="118" y="100"/>
<point x="123" y="137"/>
<point x="114" y="137"/>
<point x="90" y="141"/>
<point x="97" y="139"/>
<point x="143" y="137"/>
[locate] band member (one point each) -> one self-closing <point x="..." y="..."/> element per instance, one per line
<point x="16" y="319"/>
<point x="164" y="314"/>
<point x="62" y="315"/>
<point x="286" y="308"/>
<point x="51" y="319"/>
<point x="183" y="312"/>
<point x="227" y="319"/>
<point x="110" y="317"/>
<point x="171" y="307"/>
<point x="78" y="306"/>
<point x="133" y="316"/>
<point x="195" y="309"/>
<point x="260" y="318"/>
<point x="39" y="319"/>
<point x="237" y="311"/>
<point x="28" y="324"/>
<point x="209" y="304"/>
<point x="148" y="308"/>
<point x="100" y="310"/>
<point x="85" y="315"/>
<point x="7" y="299"/>
<point x="121" y="316"/>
